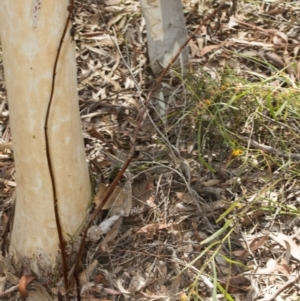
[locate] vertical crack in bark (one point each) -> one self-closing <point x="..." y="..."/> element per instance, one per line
<point x="49" y="161"/>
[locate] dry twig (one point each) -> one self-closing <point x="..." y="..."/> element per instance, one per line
<point x="283" y="287"/>
<point x="267" y="148"/>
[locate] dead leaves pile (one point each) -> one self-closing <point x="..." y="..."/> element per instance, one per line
<point x="157" y="251"/>
<point x="174" y="229"/>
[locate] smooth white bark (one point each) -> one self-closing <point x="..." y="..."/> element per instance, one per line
<point x="29" y="44"/>
<point x="166" y="32"/>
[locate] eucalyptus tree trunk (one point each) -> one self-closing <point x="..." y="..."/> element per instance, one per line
<point x="166" y="32"/>
<point x="30" y="32"/>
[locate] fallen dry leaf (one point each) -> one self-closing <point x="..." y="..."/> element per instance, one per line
<point x="254" y="245"/>
<point x="116" y="198"/>
<point x="151" y="229"/>
<point x="84" y="276"/>
<point x="283" y="239"/>
<point x="208" y="49"/>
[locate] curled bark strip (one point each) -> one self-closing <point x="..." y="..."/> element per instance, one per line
<point x="24" y="281"/>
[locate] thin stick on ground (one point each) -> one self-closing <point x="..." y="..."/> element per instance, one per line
<point x="267" y="148"/>
<point x="283" y="287"/>
<point x="8" y="292"/>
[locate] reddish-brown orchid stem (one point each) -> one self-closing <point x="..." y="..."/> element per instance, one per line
<point x="49" y="161"/>
<point x="138" y="126"/>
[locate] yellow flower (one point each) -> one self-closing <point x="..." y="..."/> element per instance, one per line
<point x="236" y="152"/>
<point x="183" y="297"/>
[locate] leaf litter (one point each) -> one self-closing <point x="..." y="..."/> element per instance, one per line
<point x="209" y="206"/>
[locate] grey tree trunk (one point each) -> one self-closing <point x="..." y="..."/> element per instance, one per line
<point x="166" y="32"/>
<point x="30" y="32"/>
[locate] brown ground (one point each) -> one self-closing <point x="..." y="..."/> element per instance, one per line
<point x="212" y="191"/>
